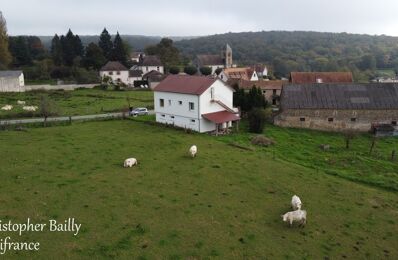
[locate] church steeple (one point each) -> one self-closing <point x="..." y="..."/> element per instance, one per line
<point x="227" y="56"/>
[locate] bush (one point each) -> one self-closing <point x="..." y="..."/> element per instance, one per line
<point x="205" y="71"/>
<point x="257" y="118"/>
<point x="190" y="70"/>
<point x="261" y="140"/>
<point x="174" y="70"/>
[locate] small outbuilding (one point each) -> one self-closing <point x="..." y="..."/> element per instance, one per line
<point x="12" y="81"/>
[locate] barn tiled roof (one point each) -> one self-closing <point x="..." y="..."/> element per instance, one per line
<point x="207" y="60"/>
<point x="320" y="77"/>
<point x="239" y="73"/>
<point x="151" y="60"/>
<point x="194" y="85"/>
<point x="10" y="73"/>
<point x="340" y="96"/>
<point x="113" y="66"/>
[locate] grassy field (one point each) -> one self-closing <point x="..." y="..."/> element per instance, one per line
<point x="225" y="204"/>
<point x="302" y="147"/>
<point x="78" y="102"/>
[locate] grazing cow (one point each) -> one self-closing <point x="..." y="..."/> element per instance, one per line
<point x="295" y="216"/>
<point x="21" y="102"/>
<point x="130" y="162"/>
<point x="193" y="150"/>
<point x="296" y="202"/>
<point x="7" y="107"/>
<point x="30" y="108"/>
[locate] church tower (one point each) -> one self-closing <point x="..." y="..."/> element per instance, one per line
<point x="227" y="56"/>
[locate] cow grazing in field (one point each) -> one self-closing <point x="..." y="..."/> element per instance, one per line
<point x="296" y="202"/>
<point x="7" y="107"/>
<point x="130" y="162"/>
<point x="21" y="102"/>
<point x="30" y="108"/>
<point x="193" y="150"/>
<point x="299" y="216"/>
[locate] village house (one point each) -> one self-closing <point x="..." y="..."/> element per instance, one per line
<point x="203" y="104"/>
<point x="215" y="61"/>
<point x="320" y="77"/>
<point x="239" y="73"/>
<point x="271" y="89"/>
<point x="261" y="70"/>
<point x="338" y="106"/>
<point x="153" y="78"/>
<point x="135" y="75"/>
<point x="148" y="63"/>
<point x="135" y="56"/>
<point x="116" y="71"/>
<point x="12" y="81"/>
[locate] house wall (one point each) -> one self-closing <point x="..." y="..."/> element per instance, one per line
<point x="318" y="119"/>
<point x="270" y="96"/>
<point x="183" y="116"/>
<point x="146" y="69"/>
<point x="254" y="77"/>
<point x="132" y="79"/>
<point x="221" y="92"/>
<point x="123" y="76"/>
<point x="9" y="84"/>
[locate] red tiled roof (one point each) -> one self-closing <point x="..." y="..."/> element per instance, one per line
<point x="151" y="60"/>
<point x="194" y="85"/>
<point x="113" y="66"/>
<point x="221" y="117"/>
<point x="320" y="77"/>
<point x="263" y="84"/>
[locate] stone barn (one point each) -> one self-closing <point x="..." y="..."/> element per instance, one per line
<point x="12" y="81"/>
<point x="338" y="107"/>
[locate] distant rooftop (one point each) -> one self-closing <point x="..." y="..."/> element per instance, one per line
<point x="113" y="66"/>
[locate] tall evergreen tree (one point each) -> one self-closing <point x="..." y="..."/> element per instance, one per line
<point x="5" y="56"/>
<point x="56" y="50"/>
<point x="105" y="43"/>
<point x="94" y="57"/>
<point x="20" y="51"/>
<point x="68" y="43"/>
<point x="78" y="46"/>
<point x="119" y="52"/>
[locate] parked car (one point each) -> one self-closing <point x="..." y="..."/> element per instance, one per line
<point x="139" y="111"/>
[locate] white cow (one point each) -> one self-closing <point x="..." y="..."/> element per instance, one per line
<point x="193" y="150"/>
<point x="30" y="108"/>
<point x="21" y="102"/>
<point x="7" y="107"/>
<point x="130" y="162"/>
<point x="296" y="202"/>
<point x="295" y="216"/>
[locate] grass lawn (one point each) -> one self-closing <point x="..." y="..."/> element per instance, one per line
<point x="78" y="102"/>
<point x="302" y="146"/>
<point x="226" y="203"/>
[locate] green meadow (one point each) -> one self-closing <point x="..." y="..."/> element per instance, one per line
<point x="77" y="102"/>
<point x="224" y="204"/>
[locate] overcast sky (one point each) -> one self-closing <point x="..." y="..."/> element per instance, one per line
<point x="199" y="17"/>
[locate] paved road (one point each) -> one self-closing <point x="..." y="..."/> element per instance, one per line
<point x="63" y="118"/>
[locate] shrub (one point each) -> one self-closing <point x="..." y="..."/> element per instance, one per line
<point x="257" y="118"/>
<point x="190" y="70"/>
<point x="205" y="71"/>
<point x="174" y="70"/>
<point x="261" y="140"/>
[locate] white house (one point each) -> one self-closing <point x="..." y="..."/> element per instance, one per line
<point x="150" y="63"/>
<point x="134" y="75"/>
<point x="202" y="104"/>
<point x="12" y="81"/>
<point x="116" y="71"/>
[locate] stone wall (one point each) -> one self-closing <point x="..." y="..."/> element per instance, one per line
<point x="335" y="120"/>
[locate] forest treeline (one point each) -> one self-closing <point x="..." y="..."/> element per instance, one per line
<point x="283" y="52"/>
